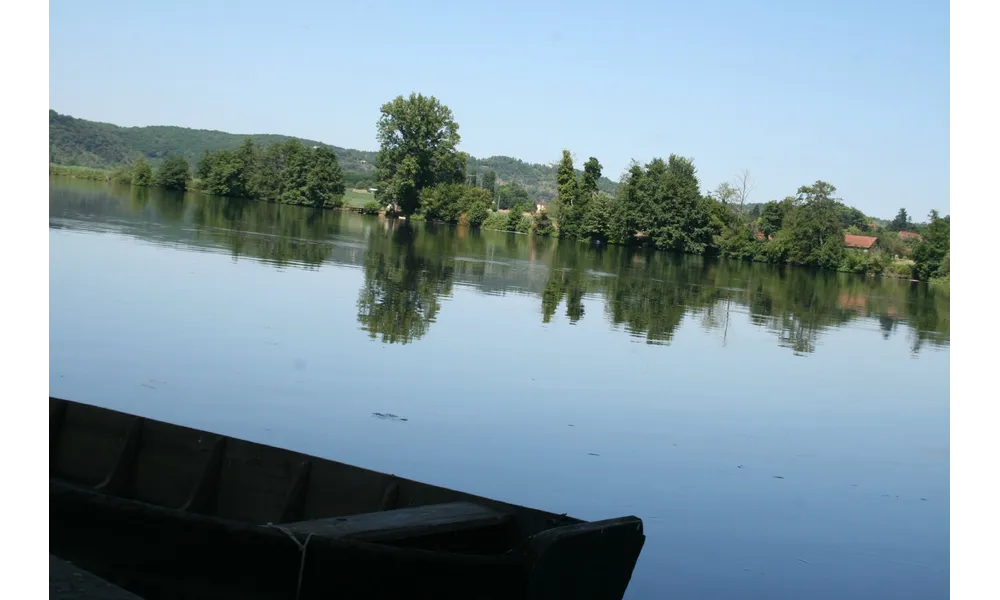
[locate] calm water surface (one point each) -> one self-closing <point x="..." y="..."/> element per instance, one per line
<point x="782" y="433"/>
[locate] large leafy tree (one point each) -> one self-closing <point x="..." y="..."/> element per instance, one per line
<point x="591" y="175"/>
<point x="230" y="172"/>
<point x="490" y="181"/>
<point x="174" y="173"/>
<point x="681" y="219"/>
<point x="142" y="173"/>
<point x="814" y="227"/>
<point x="418" y="140"/>
<point x="932" y="255"/>
<point x="510" y="195"/>
<point x="772" y="215"/>
<point x="325" y="181"/>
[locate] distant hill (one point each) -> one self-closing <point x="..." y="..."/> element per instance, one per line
<point x="79" y="142"/>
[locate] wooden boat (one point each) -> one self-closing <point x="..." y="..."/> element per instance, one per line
<point x="165" y="511"/>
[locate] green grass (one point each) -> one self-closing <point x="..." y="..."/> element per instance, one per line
<point x="79" y="172"/>
<point x="357" y="198"/>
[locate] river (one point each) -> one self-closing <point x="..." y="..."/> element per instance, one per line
<point x="783" y="433"/>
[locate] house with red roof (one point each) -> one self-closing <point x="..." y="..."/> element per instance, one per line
<point x="911" y="235"/>
<point x="861" y="242"/>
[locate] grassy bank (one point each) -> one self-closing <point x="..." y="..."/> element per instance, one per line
<point x="80" y="172"/>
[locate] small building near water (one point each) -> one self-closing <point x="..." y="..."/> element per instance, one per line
<point x="861" y="242"/>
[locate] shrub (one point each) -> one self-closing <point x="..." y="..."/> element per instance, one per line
<point x="496" y="220"/>
<point x="371" y="208"/>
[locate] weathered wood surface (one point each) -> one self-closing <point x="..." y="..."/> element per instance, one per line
<point x="172" y="512"/>
<point x="161" y="553"/>
<point x="69" y="582"/>
<point x="587" y="561"/>
<point x="399" y="524"/>
<point x="178" y="467"/>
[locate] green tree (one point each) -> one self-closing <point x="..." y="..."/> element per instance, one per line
<point x="568" y="195"/>
<point x="418" y="140"/>
<point x="230" y="173"/>
<point x="511" y="194"/>
<point x="543" y="224"/>
<point x="901" y="222"/>
<point x="325" y="181"/>
<point x="490" y="181"/>
<point x="680" y="219"/>
<point x="772" y="215"/>
<point x="443" y="202"/>
<point x="852" y="217"/>
<point x="929" y="255"/>
<point x="294" y="173"/>
<point x="142" y="173"/>
<point x="591" y="175"/>
<point x="815" y="229"/>
<point x="598" y="220"/>
<point x="475" y="205"/>
<point x="174" y="173"/>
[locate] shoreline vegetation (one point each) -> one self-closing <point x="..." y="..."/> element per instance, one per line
<point x="420" y="174"/>
<point x="411" y="269"/>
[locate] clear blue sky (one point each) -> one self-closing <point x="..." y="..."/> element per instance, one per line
<point x="854" y="93"/>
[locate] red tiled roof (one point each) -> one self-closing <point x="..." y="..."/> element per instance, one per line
<point x="906" y="235"/>
<point x="859" y="241"/>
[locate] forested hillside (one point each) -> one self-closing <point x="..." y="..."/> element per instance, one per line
<point x="79" y="142"/>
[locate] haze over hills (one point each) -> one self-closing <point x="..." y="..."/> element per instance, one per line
<point x="79" y="142"/>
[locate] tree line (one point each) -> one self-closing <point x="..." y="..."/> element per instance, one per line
<point x="419" y="172"/>
<point x="410" y="269"/>
<point x="660" y="204"/>
<point x="283" y="172"/>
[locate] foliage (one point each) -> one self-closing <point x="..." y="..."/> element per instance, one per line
<point x="455" y="203"/>
<point x="122" y="175"/>
<point x="284" y="172"/>
<point x="443" y="202"/>
<point x="772" y="216"/>
<point x="815" y="229"/>
<point x="497" y="221"/>
<point x="932" y="256"/>
<point x="591" y="176"/>
<point x="142" y="173"/>
<point x="489" y="181"/>
<point x="568" y="192"/>
<point x="598" y="218"/>
<point x="174" y="173"/>
<point x="543" y="224"/>
<point x="901" y="222"/>
<point x="418" y="139"/>
<point x="80" y="173"/>
<point x="517" y="221"/>
<point x="102" y="145"/>
<point x="892" y="244"/>
<point x="324" y="181"/>
<point x="475" y="205"/>
<point x="371" y="208"/>
<point x="511" y="194"/>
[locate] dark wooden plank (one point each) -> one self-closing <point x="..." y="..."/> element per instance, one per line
<point x="587" y="561"/>
<point x="403" y="523"/>
<point x="69" y="582"/>
<point x="390" y="499"/>
<point x="120" y="475"/>
<point x="204" y="494"/>
<point x="296" y="496"/>
<point x="57" y="414"/>
<point x="166" y="553"/>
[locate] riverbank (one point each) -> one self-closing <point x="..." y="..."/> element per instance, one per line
<point x="870" y="263"/>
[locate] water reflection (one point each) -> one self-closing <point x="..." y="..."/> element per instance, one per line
<point x="403" y="287"/>
<point x="409" y="267"/>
